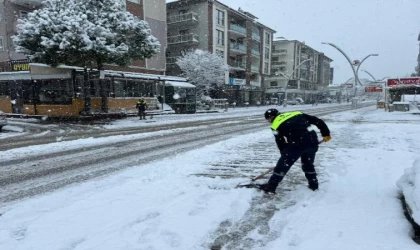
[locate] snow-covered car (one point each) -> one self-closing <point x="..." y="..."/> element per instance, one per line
<point x="292" y="102"/>
<point x="3" y="120"/>
<point x="409" y="187"/>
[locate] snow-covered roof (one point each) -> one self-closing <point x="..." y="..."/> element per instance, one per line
<point x="58" y="67"/>
<point x="143" y="76"/>
<point x="179" y="84"/>
<point x="15" y="75"/>
<point x="410" y="98"/>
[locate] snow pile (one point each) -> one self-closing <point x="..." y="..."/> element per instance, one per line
<point x="409" y="184"/>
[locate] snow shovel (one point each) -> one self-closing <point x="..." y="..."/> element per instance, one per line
<point x="252" y="184"/>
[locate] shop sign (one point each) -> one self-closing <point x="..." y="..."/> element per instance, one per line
<point x="371" y="89"/>
<point x="20" y="65"/>
<point x="392" y="82"/>
<point x="236" y="81"/>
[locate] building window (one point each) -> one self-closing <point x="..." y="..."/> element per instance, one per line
<point x="220" y="17"/>
<point x="267" y="54"/>
<point x="1" y="44"/>
<point x="134" y="1"/>
<point x="273" y="84"/>
<point x="220" y="37"/>
<point x="266" y="68"/>
<point x="267" y="38"/>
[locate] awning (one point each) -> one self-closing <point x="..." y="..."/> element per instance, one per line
<point x="15" y="75"/>
<point x="179" y="84"/>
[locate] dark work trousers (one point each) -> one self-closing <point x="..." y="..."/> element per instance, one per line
<point x="289" y="156"/>
<point x="142" y="114"/>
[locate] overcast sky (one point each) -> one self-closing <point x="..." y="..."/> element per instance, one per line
<point x="359" y="27"/>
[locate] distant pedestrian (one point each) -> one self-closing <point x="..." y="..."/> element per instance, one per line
<point x="295" y="140"/>
<point x="141" y="107"/>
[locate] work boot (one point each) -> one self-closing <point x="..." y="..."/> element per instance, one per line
<point x="313" y="184"/>
<point x="266" y="188"/>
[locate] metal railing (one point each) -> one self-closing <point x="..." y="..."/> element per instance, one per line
<point x="255" y="68"/>
<point x="280" y="52"/>
<point x="191" y="16"/>
<point x="237" y="47"/>
<point x="256" y="37"/>
<point x="238" y="28"/>
<point x="183" y="39"/>
<point x="278" y="63"/>
<point x="238" y="64"/>
<point x="255" y="52"/>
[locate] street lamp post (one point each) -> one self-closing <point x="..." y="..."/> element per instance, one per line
<point x="355" y="71"/>
<point x="358" y="66"/>
<point x="288" y="79"/>
<point x="370" y="75"/>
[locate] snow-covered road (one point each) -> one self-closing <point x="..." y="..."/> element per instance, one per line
<point x="184" y="201"/>
<point x="45" y="167"/>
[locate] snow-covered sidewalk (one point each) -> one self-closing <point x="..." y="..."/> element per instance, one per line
<point x="173" y="204"/>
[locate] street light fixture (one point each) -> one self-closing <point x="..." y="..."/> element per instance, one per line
<point x="288" y="79"/>
<point x="358" y="66"/>
<point x="374" y="79"/>
<point x="355" y="71"/>
<point x="369" y="75"/>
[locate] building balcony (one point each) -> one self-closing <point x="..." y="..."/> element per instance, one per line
<point x="279" y="52"/>
<point x="256" y="37"/>
<point x="237" y="48"/>
<point x="28" y="3"/>
<point x="180" y="39"/>
<point x="255" y="68"/>
<point x="278" y="64"/>
<point x="255" y="53"/>
<point x="237" y="31"/>
<point x="237" y="65"/>
<point x="190" y="18"/>
<point x="304" y="56"/>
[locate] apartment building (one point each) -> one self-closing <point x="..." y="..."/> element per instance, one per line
<point x="152" y="11"/>
<point x="235" y="35"/>
<point x="304" y="70"/>
<point x="325" y="72"/>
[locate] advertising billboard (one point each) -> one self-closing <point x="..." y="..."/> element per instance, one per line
<point x="392" y="82"/>
<point x="371" y="89"/>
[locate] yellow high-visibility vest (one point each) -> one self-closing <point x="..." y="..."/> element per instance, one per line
<point x="282" y="118"/>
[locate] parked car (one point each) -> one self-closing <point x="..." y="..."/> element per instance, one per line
<point x="292" y="102"/>
<point x="300" y="100"/>
<point x="296" y="101"/>
<point x="3" y="120"/>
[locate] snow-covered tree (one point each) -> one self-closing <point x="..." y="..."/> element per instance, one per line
<point x="88" y="33"/>
<point x="85" y="33"/>
<point x="204" y="69"/>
